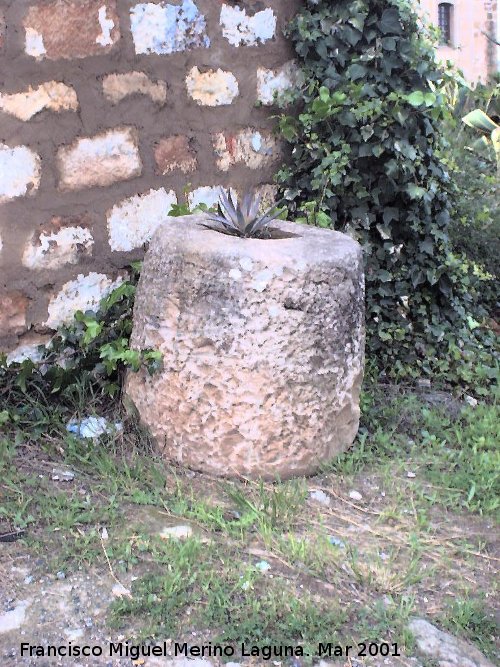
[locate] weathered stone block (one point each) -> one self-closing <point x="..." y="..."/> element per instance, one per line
<point x="19" y="172"/>
<point x="71" y="28"/>
<point x="173" y="153"/>
<point x="13" y="308"/>
<point x="254" y="148"/>
<point x="262" y="344"/>
<point x="213" y="88"/>
<point x="133" y="222"/>
<point x="51" y="95"/>
<point x="164" y="28"/>
<point x="101" y="160"/>
<point x="238" y="28"/>
<point x="83" y="293"/>
<point x="63" y="242"/>
<point x="206" y="194"/>
<point x="118" y="86"/>
<point x="30" y="347"/>
<point x="273" y="82"/>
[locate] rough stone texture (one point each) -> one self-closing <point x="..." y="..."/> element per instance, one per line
<point x="206" y="194"/>
<point x="101" y="160"/>
<point x="238" y="28"/>
<point x="252" y="147"/>
<point x="63" y="242"/>
<point x="83" y="293"/>
<point x="214" y="88"/>
<point x="445" y="649"/>
<point x="19" y="172"/>
<point x="173" y="153"/>
<point x="71" y="28"/>
<point x="273" y="82"/>
<point x="166" y="28"/>
<point x="117" y="87"/>
<point x="51" y="95"/>
<point x="262" y="344"/>
<point x="13" y="307"/>
<point x="30" y="348"/>
<point x="132" y="222"/>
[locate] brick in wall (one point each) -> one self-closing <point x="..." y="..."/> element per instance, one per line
<point x="172" y="153"/>
<point x="100" y="160"/>
<point x="71" y="28"/>
<point x="132" y="222"/>
<point x="240" y="29"/>
<point x="213" y="88"/>
<point x="117" y="87"/>
<point x="83" y="293"/>
<point x="254" y="148"/>
<point x="167" y="28"/>
<point x="52" y="96"/>
<point x="13" y="308"/>
<point x="271" y="83"/>
<point x="206" y="194"/>
<point x="63" y="241"/>
<point x="19" y="172"/>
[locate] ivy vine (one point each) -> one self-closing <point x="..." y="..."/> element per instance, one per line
<point x="366" y="147"/>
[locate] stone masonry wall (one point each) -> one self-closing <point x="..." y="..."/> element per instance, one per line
<point x="110" y="112"/>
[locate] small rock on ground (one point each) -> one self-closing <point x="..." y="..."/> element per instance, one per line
<point x="445" y="649"/>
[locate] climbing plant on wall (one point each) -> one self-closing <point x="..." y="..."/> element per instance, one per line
<point x="365" y="160"/>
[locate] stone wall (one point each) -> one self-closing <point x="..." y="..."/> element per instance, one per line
<point x="110" y="112"/>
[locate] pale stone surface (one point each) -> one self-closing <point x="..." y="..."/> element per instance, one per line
<point x="51" y="95"/>
<point x="166" y="28"/>
<point x="71" y="28"/>
<point x="118" y="86"/>
<point x="132" y="222"/>
<point x="213" y="88"/>
<point x="83" y="293"/>
<point x="206" y="194"/>
<point x="14" y="619"/>
<point x="31" y="347"/>
<point x="254" y="148"/>
<point x="273" y="82"/>
<point x="57" y="248"/>
<point x="100" y="160"/>
<point x="262" y="344"/>
<point x="238" y="28"/>
<point x="445" y="649"/>
<point x="19" y="172"/>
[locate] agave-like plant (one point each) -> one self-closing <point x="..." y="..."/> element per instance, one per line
<point x="243" y="220"/>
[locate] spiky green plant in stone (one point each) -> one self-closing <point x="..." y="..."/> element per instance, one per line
<point x="243" y="220"/>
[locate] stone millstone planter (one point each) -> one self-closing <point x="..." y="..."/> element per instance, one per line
<point x="262" y="342"/>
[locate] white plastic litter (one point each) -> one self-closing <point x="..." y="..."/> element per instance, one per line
<point x="320" y="497"/>
<point x="263" y="566"/>
<point x="92" y="427"/>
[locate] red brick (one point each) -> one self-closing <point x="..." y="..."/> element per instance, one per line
<point x="71" y="28"/>
<point x="175" y="153"/>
